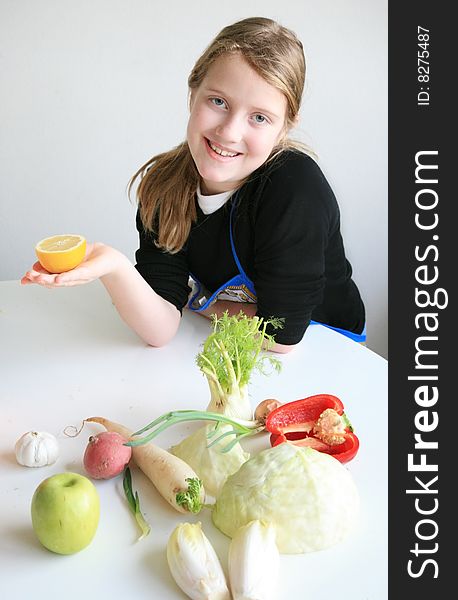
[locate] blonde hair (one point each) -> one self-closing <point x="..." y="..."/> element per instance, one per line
<point x="168" y="181"/>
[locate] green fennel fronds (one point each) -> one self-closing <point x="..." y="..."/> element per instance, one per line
<point x="233" y="350"/>
<point x="190" y="500"/>
<point x="134" y="503"/>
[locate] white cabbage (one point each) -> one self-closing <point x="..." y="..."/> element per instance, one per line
<point x="211" y="465"/>
<point x="309" y="497"/>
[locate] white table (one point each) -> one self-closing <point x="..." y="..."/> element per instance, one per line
<point x="66" y="355"/>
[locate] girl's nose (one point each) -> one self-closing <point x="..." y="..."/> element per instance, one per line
<point x="230" y="130"/>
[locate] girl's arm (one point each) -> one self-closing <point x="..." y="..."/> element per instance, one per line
<point x="154" y="319"/>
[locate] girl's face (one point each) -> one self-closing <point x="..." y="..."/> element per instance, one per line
<point x="236" y="120"/>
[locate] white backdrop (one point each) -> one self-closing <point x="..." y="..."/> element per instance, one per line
<point x="92" y="89"/>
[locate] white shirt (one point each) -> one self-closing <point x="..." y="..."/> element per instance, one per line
<point x="210" y="204"/>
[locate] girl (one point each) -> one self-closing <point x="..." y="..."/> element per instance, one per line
<point x="238" y="208"/>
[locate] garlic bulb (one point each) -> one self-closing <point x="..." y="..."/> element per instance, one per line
<point x="36" y="449"/>
<point x="194" y="564"/>
<point x="254" y="562"/>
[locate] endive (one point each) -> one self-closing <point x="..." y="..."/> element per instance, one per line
<point x="254" y="562"/>
<point x="194" y="564"/>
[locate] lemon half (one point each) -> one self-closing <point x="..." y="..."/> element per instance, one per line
<point x="60" y="253"/>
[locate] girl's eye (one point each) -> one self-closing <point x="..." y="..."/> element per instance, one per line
<point x="218" y="101"/>
<point x="260" y="119"/>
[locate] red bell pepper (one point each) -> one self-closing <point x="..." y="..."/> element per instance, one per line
<point x="295" y="423"/>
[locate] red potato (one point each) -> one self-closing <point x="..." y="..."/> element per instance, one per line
<point x="173" y="478"/>
<point x="106" y="455"/>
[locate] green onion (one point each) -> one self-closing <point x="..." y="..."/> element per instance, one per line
<point x="134" y="503"/>
<point x="240" y="428"/>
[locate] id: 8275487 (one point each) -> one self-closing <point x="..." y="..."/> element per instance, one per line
<point x="423" y="75"/>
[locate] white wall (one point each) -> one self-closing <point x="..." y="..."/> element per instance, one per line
<point x="91" y="89"/>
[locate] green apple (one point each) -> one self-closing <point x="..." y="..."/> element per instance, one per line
<point x="65" y="512"/>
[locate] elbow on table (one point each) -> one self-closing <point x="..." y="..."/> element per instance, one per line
<point x="160" y="337"/>
<point x="282" y="348"/>
<point x="158" y="341"/>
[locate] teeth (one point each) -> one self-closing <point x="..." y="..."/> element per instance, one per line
<point x="220" y="151"/>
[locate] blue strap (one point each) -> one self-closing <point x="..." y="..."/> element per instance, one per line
<point x="234" y="253"/>
<point x="356" y="337"/>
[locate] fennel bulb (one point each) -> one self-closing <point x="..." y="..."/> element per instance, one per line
<point x="211" y="465"/>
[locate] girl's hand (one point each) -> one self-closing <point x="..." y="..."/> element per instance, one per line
<point x="99" y="260"/>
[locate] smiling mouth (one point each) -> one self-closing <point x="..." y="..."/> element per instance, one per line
<point x="220" y="151"/>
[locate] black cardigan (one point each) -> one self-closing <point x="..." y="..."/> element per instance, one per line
<point x="286" y="230"/>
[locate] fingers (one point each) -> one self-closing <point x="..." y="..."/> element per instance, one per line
<point x="40" y="276"/>
<point x="92" y="267"/>
<point x="38" y="268"/>
<point x="32" y="276"/>
<point x="25" y="280"/>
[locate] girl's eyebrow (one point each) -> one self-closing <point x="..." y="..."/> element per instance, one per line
<point x="256" y="109"/>
<point x="216" y="92"/>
